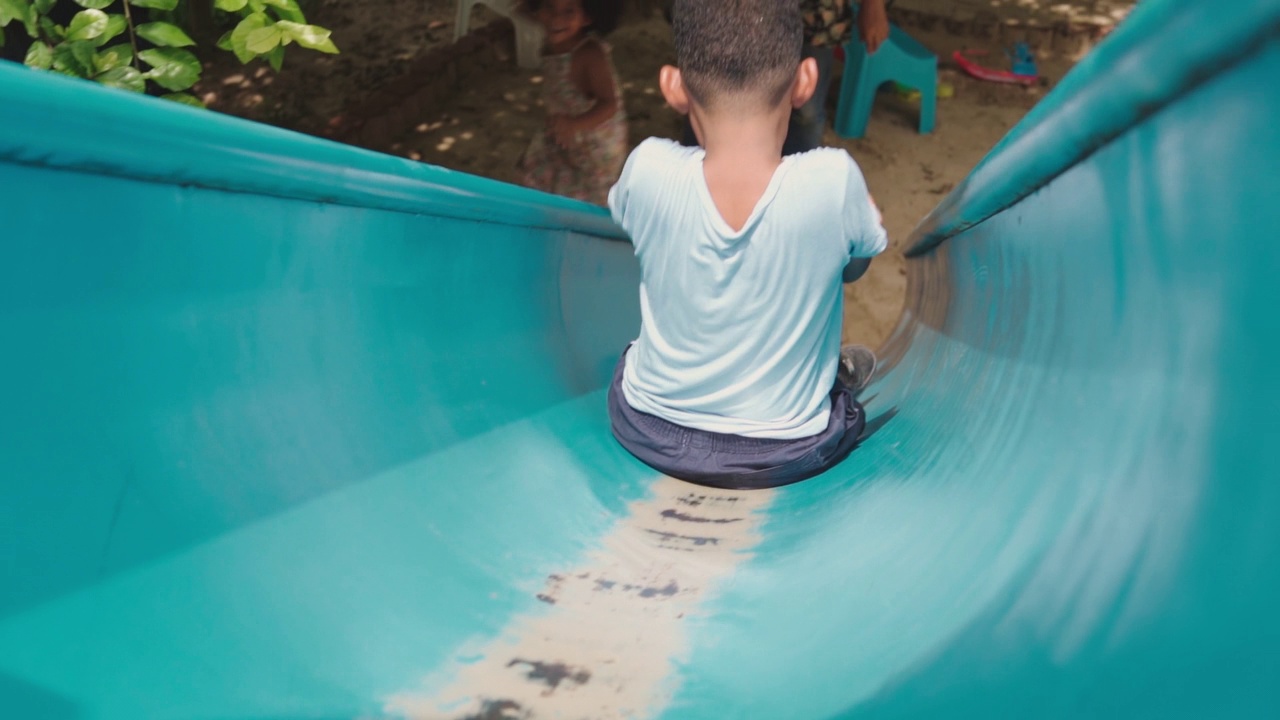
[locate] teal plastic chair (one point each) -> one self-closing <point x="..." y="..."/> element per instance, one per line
<point x="900" y="59"/>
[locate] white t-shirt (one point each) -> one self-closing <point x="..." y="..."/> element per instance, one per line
<point x="740" y="330"/>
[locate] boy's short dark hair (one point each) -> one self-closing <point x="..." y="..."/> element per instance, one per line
<point x="748" y="47"/>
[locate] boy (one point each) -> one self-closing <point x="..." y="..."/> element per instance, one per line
<point x="828" y="24"/>
<point x="733" y="380"/>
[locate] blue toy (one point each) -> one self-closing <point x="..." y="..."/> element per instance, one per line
<point x="1024" y="63"/>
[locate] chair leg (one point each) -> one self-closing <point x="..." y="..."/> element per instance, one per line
<point x="855" y="101"/>
<point x="929" y="99"/>
<point x="528" y="43"/>
<point x="868" y="86"/>
<point x="462" y="22"/>
<point x="928" y="106"/>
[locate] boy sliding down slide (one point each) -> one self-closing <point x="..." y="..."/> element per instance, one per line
<point x="733" y="380"/>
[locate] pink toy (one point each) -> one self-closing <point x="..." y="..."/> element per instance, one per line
<point x="985" y="73"/>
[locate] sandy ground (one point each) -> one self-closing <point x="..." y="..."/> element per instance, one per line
<point x="487" y="124"/>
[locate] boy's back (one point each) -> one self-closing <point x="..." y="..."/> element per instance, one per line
<point x="741" y="329"/>
<point x="733" y="379"/>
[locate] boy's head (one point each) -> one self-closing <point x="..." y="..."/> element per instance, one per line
<point x="743" y="53"/>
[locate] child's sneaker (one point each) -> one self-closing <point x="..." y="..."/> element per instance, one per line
<point x="857" y="365"/>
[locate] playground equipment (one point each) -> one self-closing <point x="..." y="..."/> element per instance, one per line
<point x="528" y="32"/>
<point x="1022" y="69"/>
<point x="900" y="59"/>
<point x="321" y="433"/>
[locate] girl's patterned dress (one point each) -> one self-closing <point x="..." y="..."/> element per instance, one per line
<point x="588" y="170"/>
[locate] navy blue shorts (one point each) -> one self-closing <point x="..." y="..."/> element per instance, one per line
<point x="731" y="461"/>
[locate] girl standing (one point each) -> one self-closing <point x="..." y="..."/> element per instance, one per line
<point x="580" y="151"/>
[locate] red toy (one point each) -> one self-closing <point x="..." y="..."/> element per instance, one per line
<point x="985" y="73"/>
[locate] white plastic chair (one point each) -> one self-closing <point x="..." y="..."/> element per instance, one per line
<point x="528" y="32"/>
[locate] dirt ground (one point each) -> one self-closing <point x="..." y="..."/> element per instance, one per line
<point x="486" y="125"/>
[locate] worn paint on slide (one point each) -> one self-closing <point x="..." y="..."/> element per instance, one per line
<point x="611" y="631"/>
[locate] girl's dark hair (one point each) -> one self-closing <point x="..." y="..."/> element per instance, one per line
<point x="602" y="13"/>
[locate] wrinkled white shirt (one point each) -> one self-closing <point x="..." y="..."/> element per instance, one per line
<point x="740" y="330"/>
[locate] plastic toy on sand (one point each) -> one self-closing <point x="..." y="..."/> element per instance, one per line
<point x="1023" y="71"/>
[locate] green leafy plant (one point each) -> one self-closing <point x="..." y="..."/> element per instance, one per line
<point x="139" y="45"/>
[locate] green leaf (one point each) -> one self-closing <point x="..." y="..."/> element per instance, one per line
<point x="308" y="36"/>
<point x="94" y="4"/>
<point x="257" y="6"/>
<point x="263" y="40"/>
<point x="84" y="52"/>
<point x="113" y="57"/>
<point x="276" y="58"/>
<point x="74" y="58"/>
<point x="87" y="25"/>
<point x="125" y="77"/>
<point x="281" y="6"/>
<point x="11" y="10"/>
<point x="230" y="5"/>
<point x="52" y="29"/>
<point x="224" y="42"/>
<point x="326" y="46"/>
<point x="116" y="24"/>
<point x="164" y="34"/>
<point x="30" y="25"/>
<point x="43" y="6"/>
<point x="39" y="56"/>
<point x="172" y="68"/>
<point x="184" y="98"/>
<point x="155" y="4"/>
<point x="289" y="10"/>
<point x="240" y="35"/>
<point x="22" y="10"/>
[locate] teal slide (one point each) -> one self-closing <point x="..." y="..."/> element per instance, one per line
<point x="294" y="431"/>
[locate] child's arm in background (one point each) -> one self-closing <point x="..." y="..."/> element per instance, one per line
<point x="873" y="24"/>
<point x="593" y="77"/>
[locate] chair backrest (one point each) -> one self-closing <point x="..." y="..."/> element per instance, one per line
<point x="503" y="7"/>
<point x="908" y="44"/>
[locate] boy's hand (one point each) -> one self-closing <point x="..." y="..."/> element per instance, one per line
<point x="873" y="24"/>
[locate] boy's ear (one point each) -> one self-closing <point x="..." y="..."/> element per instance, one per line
<point x="671" y="84"/>
<point x="806" y="82"/>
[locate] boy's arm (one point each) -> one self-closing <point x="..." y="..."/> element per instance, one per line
<point x="620" y="193"/>
<point x="863" y="225"/>
<point x="856" y="268"/>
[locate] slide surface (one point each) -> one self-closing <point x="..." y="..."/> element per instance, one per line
<point x="294" y="430"/>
